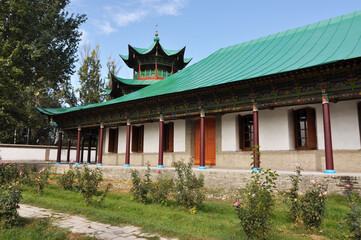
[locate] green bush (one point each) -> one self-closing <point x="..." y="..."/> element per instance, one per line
<point x="88" y="182"/>
<point x="9" y="172"/>
<point x="10" y="196"/>
<point x="255" y="205"/>
<point x="189" y="189"/>
<point x="314" y="205"/>
<point x="101" y="199"/>
<point x="352" y="221"/>
<point x="67" y="180"/>
<point x="140" y="186"/>
<point x="161" y="188"/>
<point x="293" y="200"/>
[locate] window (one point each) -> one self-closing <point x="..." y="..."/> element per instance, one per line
<point x="305" y="129"/>
<point x="168" y="137"/>
<point x="246" y="132"/>
<point x="137" y="139"/>
<point x="113" y="140"/>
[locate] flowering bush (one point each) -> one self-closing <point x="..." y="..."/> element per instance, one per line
<point x="352" y="221"/>
<point x="10" y="193"/>
<point x="141" y="186"/>
<point x="101" y="199"/>
<point x="255" y="204"/>
<point x="293" y="200"/>
<point x="9" y="202"/>
<point x="37" y="179"/>
<point x="189" y="189"/>
<point x="67" y="180"/>
<point x="313" y="204"/>
<point x="88" y="182"/>
<point x="161" y="188"/>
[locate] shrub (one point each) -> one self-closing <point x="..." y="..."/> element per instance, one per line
<point x="189" y="189"/>
<point x="293" y="200"/>
<point x="161" y="189"/>
<point x="255" y="205"/>
<point x="101" y="200"/>
<point x="313" y="205"/>
<point x="37" y="179"/>
<point x="67" y="180"/>
<point x="9" y="172"/>
<point x="140" y="186"/>
<point x="10" y="197"/>
<point x="88" y="182"/>
<point x="352" y="221"/>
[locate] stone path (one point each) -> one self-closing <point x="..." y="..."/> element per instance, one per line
<point x="78" y="224"/>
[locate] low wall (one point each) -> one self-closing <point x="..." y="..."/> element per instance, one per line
<point x="233" y="179"/>
<point x="35" y="153"/>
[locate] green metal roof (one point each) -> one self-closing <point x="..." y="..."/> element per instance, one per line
<point x="319" y="43"/>
<point x="134" y="81"/>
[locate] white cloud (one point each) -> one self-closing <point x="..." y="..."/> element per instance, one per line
<point x="125" y="13"/>
<point x="106" y="27"/>
<point x="84" y="37"/>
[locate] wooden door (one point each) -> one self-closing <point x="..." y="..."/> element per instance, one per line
<point x="210" y="141"/>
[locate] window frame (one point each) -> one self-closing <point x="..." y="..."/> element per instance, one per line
<point x="113" y="140"/>
<point x="309" y="129"/>
<point x="137" y="139"/>
<point x="242" y="133"/>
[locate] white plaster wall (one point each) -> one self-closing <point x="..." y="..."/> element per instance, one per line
<point x="106" y="140"/>
<point x="122" y="139"/>
<point x="230" y="132"/>
<point x="151" y="137"/>
<point x="274" y="132"/>
<point x="344" y="126"/>
<point x="179" y="136"/>
<point x="10" y="154"/>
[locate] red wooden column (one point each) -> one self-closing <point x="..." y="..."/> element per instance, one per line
<point x="156" y="70"/>
<point x="139" y="72"/>
<point x="327" y="133"/>
<point x="89" y="149"/>
<point x="202" y="162"/>
<point x="78" y="148"/>
<point x="58" y="157"/>
<point x="68" y="153"/>
<point x="82" y="151"/>
<point x="161" y="137"/>
<point x="100" y="158"/>
<point x="256" y="161"/>
<point x="127" y="146"/>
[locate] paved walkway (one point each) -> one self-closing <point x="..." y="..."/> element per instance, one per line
<point x="78" y="224"/>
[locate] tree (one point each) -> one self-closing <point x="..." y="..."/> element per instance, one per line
<point x="112" y="69"/>
<point x="38" y="46"/>
<point x="92" y="85"/>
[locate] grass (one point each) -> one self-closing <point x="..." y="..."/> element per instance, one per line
<point x="38" y="229"/>
<point x="216" y="219"/>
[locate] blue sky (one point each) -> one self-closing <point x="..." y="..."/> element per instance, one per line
<point x="200" y="25"/>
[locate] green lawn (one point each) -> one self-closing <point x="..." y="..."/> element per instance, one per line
<point x="38" y="229"/>
<point x="216" y="220"/>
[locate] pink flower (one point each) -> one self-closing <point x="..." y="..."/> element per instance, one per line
<point x="157" y="187"/>
<point x="6" y="162"/>
<point x="253" y="194"/>
<point x="312" y="181"/>
<point x="348" y="185"/>
<point x="320" y="195"/>
<point x="296" y="165"/>
<point x="325" y="192"/>
<point x="42" y="170"/>
<point x="236" y="204"/>
<point x="304" y="202"/>
<point x="21" y="173"/>
<point x="261" y="184"/>
<point x="72" y="161"/>
<point x="159" y="172"/>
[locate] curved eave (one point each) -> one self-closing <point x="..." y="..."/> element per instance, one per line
<point x="133" y="82"/>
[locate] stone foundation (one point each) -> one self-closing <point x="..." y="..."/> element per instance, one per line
<point x="233" y="179"/>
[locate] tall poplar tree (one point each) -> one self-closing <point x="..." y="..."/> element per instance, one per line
<point x="113" y="68"/>
<point x="38" y="46"/>
<point x="91" y="84"/>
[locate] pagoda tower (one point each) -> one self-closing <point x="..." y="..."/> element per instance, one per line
<point x="149" y="65"/>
